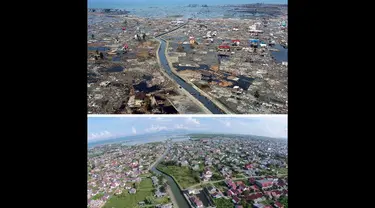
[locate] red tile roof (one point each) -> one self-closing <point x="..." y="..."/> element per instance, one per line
<point x="278" y="204"/>
<point x="236" y="199"/>
<point x="224" y="46"/>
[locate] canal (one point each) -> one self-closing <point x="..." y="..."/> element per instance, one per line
<point x="205" y="101"/>
<point x="180" y="199"/>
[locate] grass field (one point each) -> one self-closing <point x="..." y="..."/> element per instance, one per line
<point x="145" y="175"/>
<point x="162" y="200"/>
<point x="126" y="200"/>
<point x="183" y="175"/>
<point x="146" y="183"/>
<point x="282" y="170"/>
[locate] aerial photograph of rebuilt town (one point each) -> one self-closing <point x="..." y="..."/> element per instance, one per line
<point x="187" y="57"/>
<point x="187" y="162"/>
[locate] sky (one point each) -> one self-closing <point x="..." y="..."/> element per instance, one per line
<point x="184" y="2"/>
<point x="102" y="128"/>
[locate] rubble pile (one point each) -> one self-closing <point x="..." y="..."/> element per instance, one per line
<point x="123" y="75"/>
<point x="242" y="58"/>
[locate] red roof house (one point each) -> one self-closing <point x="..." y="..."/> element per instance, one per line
<point x="248" y="166"/>
<point x="239" y="183"/>
<point x="224" y="47"/>
<point x="235" y="199"/>
<point x="230" y="193"/>
<point x="278" y="205"/>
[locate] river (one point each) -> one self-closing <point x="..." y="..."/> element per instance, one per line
<point x="163" y="60"/>
<point x="181" y="201"/>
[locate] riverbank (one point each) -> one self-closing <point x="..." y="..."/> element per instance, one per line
<point x="171" y="195"/>
<point x="213" y="100"/>
<point x="182" y="90"/>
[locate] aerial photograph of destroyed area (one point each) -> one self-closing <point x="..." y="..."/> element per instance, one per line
<point x="187" y="162"/>
<point x="187" y="57"/>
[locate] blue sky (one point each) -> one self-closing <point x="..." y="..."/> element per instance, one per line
<point x="101" y="128"/>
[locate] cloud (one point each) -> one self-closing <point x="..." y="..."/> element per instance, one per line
<point x="156" y="128"/>
<point x="99" y="135"/>
<point x="194" y="121"/>
<point x="243" y="123"/>
<point x="224" y="121"/>
<point x="134" y="130"/>
<point x="160" y="119"/>
<point x="227" y="123"/>
<point x="180" y="126"/>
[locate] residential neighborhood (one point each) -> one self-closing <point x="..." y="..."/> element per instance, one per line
<point x="208" y="171"/>
<point x="246" y="171"/>
<point x="117" y="170"/>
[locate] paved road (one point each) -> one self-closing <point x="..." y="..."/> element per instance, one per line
<point x="164" y="62"/>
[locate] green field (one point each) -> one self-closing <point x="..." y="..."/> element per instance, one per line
<point x="184" y="176"/>
<point x="223" y="203"/>
<point x="162" y="200"/>
<point x="146" y="184"/>
<point x="282" y="170"/>
<point x="145" y="175"/>
<point x="126" y="200"/>
<point x="145" y="188"/>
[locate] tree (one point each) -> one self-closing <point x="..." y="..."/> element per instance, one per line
<point x="284" y="201"/>
<point x="247" y="192"/>
<point x="150" y="200"/>
<point x="162" y="189"/>
<point x="243" y="203"/>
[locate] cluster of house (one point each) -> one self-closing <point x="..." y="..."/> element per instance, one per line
<point x="206" y="174"/>
<point x="119" y="166"/>
<point x="236" y="189"/>
<point x="214" y="192"/>
<point x="155" y="182"/>
<point x="169" y="205"/>
<point x="95" y="203"/>
<point x="227" y="156"/>
<point x="196" y="202"/>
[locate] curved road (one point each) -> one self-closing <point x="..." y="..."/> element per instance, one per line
<point x="163" y="60"/>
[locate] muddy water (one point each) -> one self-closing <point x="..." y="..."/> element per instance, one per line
<point x="115" y="69"/>
<point x="142" y="87"/>
<point x="98" y="48"/>
<point x="281" y="55"/>
<point x="201" y="67"/>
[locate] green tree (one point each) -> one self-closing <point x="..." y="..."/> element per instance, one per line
<point x="247" y="192"/>
<point x="150" y="200"/>
<point x="162" y="189"/>
<point x="243" y="203"/>
<point x="284" y="201"/>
